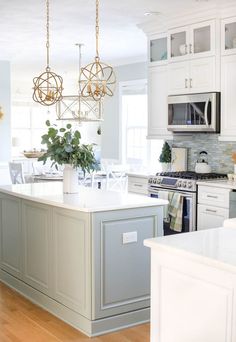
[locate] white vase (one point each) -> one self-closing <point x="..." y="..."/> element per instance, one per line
<point x="70" y="180"/>
<point x="165" y="167"/>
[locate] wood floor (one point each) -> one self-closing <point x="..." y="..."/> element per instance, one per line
<point x="22" y="321"/>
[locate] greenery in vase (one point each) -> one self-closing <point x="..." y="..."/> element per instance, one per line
<point x="64" y="147"/>
<point x="165" y="156"/>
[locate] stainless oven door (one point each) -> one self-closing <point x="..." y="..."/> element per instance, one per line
<point x="196" y="112"/>
<point x="189" y="210"/>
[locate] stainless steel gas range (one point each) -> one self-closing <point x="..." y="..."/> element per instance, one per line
<point x="184" y="183"/>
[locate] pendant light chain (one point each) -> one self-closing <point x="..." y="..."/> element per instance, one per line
<point x="97" y="79"/>
<point x="97" y="28"/>
<point x="48" y="86"/>
<point x="47" y="36"/>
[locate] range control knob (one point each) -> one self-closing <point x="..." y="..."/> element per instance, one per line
<point x="179" y="184"/>
<point x="190" y="185"/>
<point x="158" y="180"/>
<point x="154" y="181"/>
<point x="184" y="184"/>
<point x="150" y="180"/>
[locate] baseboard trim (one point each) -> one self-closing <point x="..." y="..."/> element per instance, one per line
<point x="86" y="326"/>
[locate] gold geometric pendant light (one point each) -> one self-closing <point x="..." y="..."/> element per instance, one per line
<point x="79" y="108"/>
<point x="48" y="86"/>
<point x="97" y="79"/>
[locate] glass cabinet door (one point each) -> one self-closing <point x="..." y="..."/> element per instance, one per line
<point x="158" y="49"/>
<point x="230" y="36"/>
<point x="178" y="44"/>
<point x="201" y="40"/>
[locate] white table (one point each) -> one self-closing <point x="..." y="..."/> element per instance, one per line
<point x="193" y="286"/>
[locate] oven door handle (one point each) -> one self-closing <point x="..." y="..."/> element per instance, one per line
<point x="155" y="191"/>
<point x="205" y="112"/>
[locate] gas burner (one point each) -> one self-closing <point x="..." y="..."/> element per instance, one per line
<point x="192" y="175"/>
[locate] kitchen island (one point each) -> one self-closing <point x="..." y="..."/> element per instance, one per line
<point x="193" y="286"/>
<point x="80" y="256"/>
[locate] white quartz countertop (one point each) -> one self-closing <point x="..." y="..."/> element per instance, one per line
<point x="224" y="183"/>
<point x="140" y="175"/>
<point x="87" y="199"/>
<point x="216" y="247"/>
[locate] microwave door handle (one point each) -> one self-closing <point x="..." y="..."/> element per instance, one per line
<point x="205" y="112"/>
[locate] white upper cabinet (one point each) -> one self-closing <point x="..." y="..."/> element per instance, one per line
<point x="157" y="49"/>
<point x="157" y="103"/>
<point x="194" y="76"/>
<point x="193" y="59"/>
<point x="228" y="98"/>
<point x="228" y="36"/>
<point x="192" y="41"/>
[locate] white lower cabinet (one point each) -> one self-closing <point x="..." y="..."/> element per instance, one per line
<point x="138" y="185"/>
<point x="11" y="257"/>
<point x="213" y="207"/>
<point x="211" y="217"/>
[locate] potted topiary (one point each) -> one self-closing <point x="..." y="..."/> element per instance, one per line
<point x="165" y="157"/>
<point x="64" y="148"/>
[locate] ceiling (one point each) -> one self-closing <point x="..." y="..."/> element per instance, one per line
<point x="22" y="28"/>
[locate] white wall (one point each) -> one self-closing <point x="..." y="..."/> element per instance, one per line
<point x="5" y="103"/>
<point x="110" y="145"/>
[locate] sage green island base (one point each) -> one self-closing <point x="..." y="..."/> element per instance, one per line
<point x="81" y="257"/>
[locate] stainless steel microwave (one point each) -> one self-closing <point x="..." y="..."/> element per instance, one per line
<point x="194" y="113"/>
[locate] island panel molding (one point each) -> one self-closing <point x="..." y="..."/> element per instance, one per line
<point x="115" y="261"/>
<point x="37" y="241"/>
<point x="11" y="259"/>
<point x="61" y="253"/>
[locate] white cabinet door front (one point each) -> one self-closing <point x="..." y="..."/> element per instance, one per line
<point x="202" y="75"/>
<point x="157" y="103"/>
<point x="178" y="78"/>
<point x="228" y="97"/>
<point x="211" y="217"/>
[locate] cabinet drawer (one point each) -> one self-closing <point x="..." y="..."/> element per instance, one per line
<point x="211" y="217"/>
<point x="138" y="185"/>
<point x="214" y="196"/>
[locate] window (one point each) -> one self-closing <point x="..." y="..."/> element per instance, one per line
<point x="138" y="152"/>
<point x="28" y="125"/>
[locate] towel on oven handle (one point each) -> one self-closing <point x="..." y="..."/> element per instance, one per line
<point x="175" y="210"/>
<point x="165" y="195"/>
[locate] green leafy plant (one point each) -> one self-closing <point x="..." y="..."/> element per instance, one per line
<point x="165" y="156"/>
<point x="64" y="147"/>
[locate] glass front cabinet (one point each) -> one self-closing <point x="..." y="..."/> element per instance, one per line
<point x="158" y="49"/>
<point x="193" y="41"/>
<point x="228" y="36"/>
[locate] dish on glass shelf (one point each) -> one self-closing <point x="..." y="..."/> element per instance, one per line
<point x="33" y="154"/>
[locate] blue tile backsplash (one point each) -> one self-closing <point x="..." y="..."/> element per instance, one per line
<point x="219" y="152"/>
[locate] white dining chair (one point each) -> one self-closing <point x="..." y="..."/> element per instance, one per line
<point x="16" y="173"/>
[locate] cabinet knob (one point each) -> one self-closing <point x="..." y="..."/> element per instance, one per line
<point x="190" y="48"/>
<point x="186" y="83"/>
<point x="190" y="83"/>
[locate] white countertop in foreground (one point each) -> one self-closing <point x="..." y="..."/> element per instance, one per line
<point x="87" y="199"/>
<point x="216" y="247"/>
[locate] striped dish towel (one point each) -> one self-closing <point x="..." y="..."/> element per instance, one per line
<point x="176" y="212"/>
